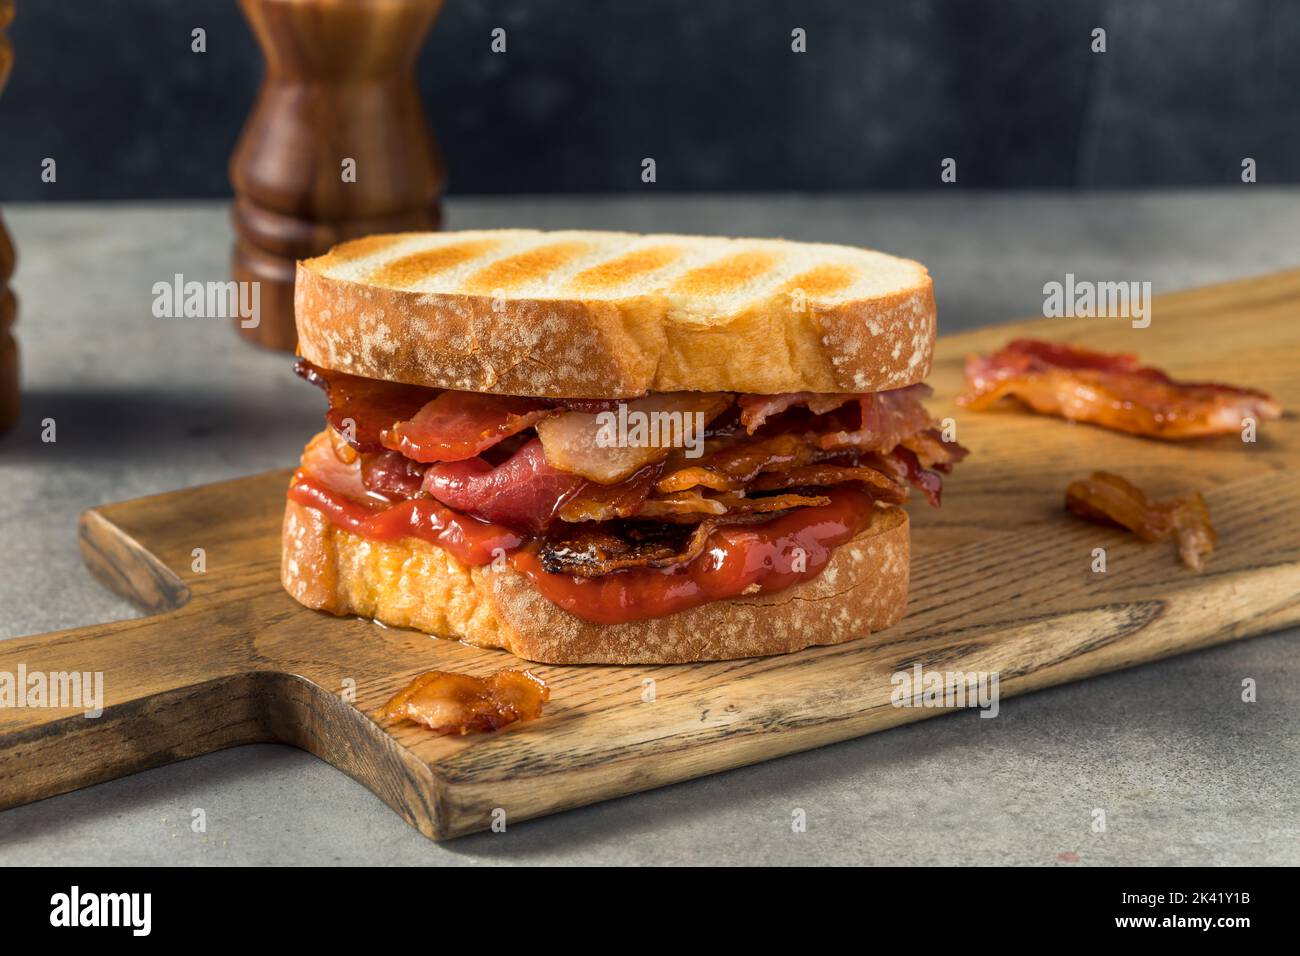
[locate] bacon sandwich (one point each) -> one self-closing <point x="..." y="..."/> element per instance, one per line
<point x="587" y="447"/>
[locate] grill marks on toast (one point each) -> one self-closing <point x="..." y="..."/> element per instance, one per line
<point x="621" y="270"/>
<point x="523" y="268"/>
<point x="727" y="275"/>
<point x="418" y="266"/>
<point x="365" y="247"/>
<point x="821" y="281"/>
<point x="697" y="276"/>
<point x="615" y="314"/>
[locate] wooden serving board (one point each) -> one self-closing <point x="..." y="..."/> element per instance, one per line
<point x="1001" y="576"/>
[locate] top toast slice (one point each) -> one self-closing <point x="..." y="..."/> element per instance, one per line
<point x="615" y="315"/>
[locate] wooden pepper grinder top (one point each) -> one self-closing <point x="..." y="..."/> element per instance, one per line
<point x="337" y="145"/>
<point x="8" y="304"/>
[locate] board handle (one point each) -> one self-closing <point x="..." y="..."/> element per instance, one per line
<point x="82" y="706"/>
<point x="173" y="686"/>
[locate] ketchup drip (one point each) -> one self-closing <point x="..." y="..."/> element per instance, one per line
<point x="737" y="560"/>
<point x="472" y="541"/>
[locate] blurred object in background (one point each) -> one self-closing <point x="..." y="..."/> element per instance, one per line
<point x="8" y="304"/>
<point x="337" y="146"/>
<point x="577" y="94"/>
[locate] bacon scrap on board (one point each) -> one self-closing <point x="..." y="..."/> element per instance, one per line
<point x="1111" y="390"/>
<point x="1110" y="499"/>
<point x="449" y="703"/>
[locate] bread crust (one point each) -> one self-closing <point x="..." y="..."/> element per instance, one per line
<point x="621" y="346"/>
<point x="413" y="583"/>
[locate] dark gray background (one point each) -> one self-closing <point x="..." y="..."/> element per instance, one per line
<point x="709" y="88"/>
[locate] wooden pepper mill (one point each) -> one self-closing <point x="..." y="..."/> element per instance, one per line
<point x="8" y="304"/>
<point x="337" y="145"/>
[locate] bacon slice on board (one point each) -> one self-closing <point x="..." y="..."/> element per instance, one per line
<point x="449" y="703"/>
<point x="1110" y="499"/>
<point x="1111" y="390"/>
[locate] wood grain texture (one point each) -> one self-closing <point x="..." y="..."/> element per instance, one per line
<point x="339" y="85"/>
<point x="1001" y="582"/>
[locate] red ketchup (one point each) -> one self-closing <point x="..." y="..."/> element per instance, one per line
<point x="472" y="541"/>
<point x="737" y="560"/>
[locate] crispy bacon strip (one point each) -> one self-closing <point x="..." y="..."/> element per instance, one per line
<point x="686" y="507"/>
<point x="884" y="420"/>
<point x="525" y="462"/>
<point x="1110" y="390"/>
<point x="730" y="462"/>
<point x="681" y="506"/>
<point x="761" y="463"/>
<point x="456" y="426"/>
<point x="590" y="444"/>
<point x="907" y="467"/>
<point x="766" y="504"/>
<point x="591" y="552"/>
<point x="362" y="408"/>
<point x="933" y="452"/>
<point x="757" y="409"/>
<point x="597" y="502"/>
<point x="1110" y="499"/>
<point x="449" y="703"/>
<point x="881" y="486"/>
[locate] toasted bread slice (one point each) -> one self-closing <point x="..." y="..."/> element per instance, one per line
<point x="412" y="583"/>
<point x="615" y="315"/>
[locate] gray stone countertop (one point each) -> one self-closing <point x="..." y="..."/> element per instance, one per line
<point x="1186" y="772"/>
